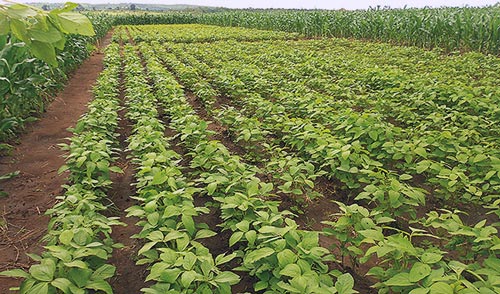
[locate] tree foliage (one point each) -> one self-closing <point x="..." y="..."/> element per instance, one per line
<point x="44" y="32"/>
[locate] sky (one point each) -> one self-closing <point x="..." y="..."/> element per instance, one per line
<point x="320" y="4"/>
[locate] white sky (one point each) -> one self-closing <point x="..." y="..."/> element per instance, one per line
<point x="321" y="4"/>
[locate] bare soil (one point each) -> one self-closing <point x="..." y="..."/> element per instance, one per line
<point x="37" y="157"/>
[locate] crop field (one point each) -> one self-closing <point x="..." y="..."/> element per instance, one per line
<point x="266" y="162"/>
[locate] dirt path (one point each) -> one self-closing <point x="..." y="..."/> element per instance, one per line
<point x="38" y="157"/>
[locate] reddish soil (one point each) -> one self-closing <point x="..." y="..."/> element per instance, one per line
<point x="129" y="277"/>
<point x="38" y="157"/>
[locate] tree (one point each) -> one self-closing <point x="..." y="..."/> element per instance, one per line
<point x="42" y="31"/>
<point x="132" y="7"/>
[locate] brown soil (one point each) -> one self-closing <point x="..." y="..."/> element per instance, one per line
<point x="38" y="157"/>
<point x="129" y="277"/>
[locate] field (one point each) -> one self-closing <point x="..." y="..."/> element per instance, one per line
<point x="252" y="161"/>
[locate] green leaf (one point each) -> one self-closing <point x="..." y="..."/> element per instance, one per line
<point x="344" y="284"/>
<point x="189" y="261"/>
<point x="221" y="259"/>
<point x="405" y="177"/>
<point x="75" y="23"/>
<point x="251" y="236"/>
<point x="227" y="277"/>
<point x="66" y="236"/>
<point x="44" y="271"/>
<point x="187" y="278"/>
<point x="204" y="233"/>
<point x="44" y="51"/>
<point x="286" y="257"/>
<point x="188" y="222"/>
<point x="116" y="169"/>
<point x="419" y="291"/>
<point x="291" y="270"/>
<point x="400" y="280"/>
<point x="104" y="272"/>
<point x="18" y="29"/>
<point x="243" y="225"/>
<point x="479" y="158"/>
<point x="258" y="254"/>
<point x="235" y="238"/>
<point x="261" y="285"/>
<point x="153" y="218"/>
<point x="170" y="275"/>
<point x="419" y="271"/>
<point x="62" y="284"/>
<point x="15" y="273"/>
<point x="51" y="35"/>
<point x="100" y="285"/>
<point x="76" y="263"/>
<point x="39" y="288"/>
<point x="211" y="188"/>
<point x="4" y="25"/>
<point x="420" y="151"/>
<point x="431" y="258"/>
<point x="441" y="288"/>
<point x="79" y="276"/>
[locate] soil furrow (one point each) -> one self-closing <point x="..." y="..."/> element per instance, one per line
<point x="129" y="277"/>
<point x="37" y="157"/>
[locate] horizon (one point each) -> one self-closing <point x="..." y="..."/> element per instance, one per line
<point x="295" y="4"/>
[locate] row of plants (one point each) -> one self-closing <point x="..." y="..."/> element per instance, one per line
<point x="30" y="73"/>
<point x="450" y="28"/>
<point x="449" y="162"/>
<point x="295" y="176"/>
<point x="189" y="33"/>
<point x="178" y="261"/>
<point x="78" y="242"/>
<point x="267" y="241"/>
<point x="449" y="275"/>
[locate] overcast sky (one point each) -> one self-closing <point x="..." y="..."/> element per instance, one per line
<point x="323" y="4"/>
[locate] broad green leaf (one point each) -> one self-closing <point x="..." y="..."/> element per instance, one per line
<point x="100" y="285"/>
<point x="66" y="236"/>
<point x="221" y="259"/>
<point x="39" y="288"/>
<point x="187" y="278"/>
<point x="204" y="233"/>
<point x="44" y="271"/>
<point x="211" y="188"/>
<point x="431" y="258"/>
<point x="75" y="23"/>
<point x="4" y="25"/>
<point x="44" y="51"/>
<point x="251" y="236"/>
<point x="479" y="158"/>
<point x="419" y="271"/>
<point x="15" y="273"/>
<point x="399" y="280"/>
<point x="235" y="238"/>
<point x="104" y="272"/>
<point x="227" y="277"/>
<point x="286" y="257"/>
<point x="170" y="275"/>
<point x="441" y="288"/>
<point x="421" y="151"/>
<point x="52" y="35"/>
<point x="258" y="254"/>
<point x="76" y="263"/>
<point x="344" y="284"/>
<point x="19" y="30"/>
<point x="188" y="223"/>
<point x="419" y="291"/>
<point x="62" y="284"/>
<point x="291" y="270"/>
